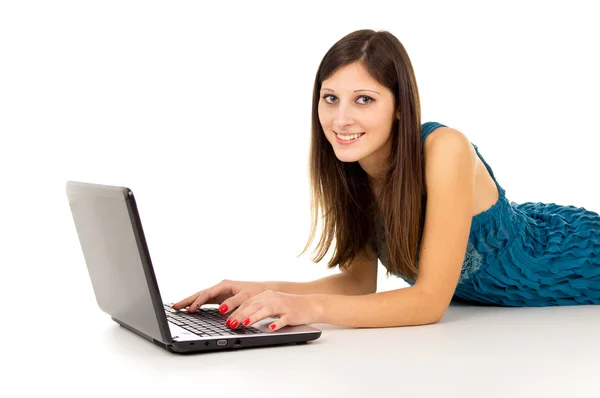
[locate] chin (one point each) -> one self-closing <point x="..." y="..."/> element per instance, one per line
<point x="347" y="157"/>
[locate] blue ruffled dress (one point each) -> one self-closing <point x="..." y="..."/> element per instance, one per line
<point x="525" y="255"/>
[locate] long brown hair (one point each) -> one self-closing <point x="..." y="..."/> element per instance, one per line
<point x="342" y="191"/>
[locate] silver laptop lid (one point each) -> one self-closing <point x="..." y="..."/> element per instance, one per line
<point x="117" y="258"/>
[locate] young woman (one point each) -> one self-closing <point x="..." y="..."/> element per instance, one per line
<point x="422" y="199"/>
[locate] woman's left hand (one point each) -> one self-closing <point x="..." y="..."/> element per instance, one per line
<point x="292" y="309"/>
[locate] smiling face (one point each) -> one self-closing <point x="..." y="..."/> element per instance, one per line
<point x="351" y="102"/>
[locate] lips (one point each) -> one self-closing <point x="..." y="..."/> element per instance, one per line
<point x="348" y="141"/>
<point x="361" y="133"/>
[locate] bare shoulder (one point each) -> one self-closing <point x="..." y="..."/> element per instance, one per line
<point x="446" y="144"/>
<point x="450" y="168"/>
<point x="447" y="136"/>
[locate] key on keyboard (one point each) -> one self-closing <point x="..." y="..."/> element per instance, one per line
<point x="206" y="322"/>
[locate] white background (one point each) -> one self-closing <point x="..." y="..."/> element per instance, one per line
<point x="203" y="110"/>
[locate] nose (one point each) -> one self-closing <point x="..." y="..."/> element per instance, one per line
<point x="343" y="116"/>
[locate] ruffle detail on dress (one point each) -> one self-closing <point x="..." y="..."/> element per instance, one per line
<point x="492" y="231"/>
<point x="471" y="264"/>
<point x="529" y="254"/>
<point x="552" y="260"/>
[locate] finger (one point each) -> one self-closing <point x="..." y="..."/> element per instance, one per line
<point x="249" y="306"/>
<point x="250" y="318"/>
<point x="205" y="296"/>
<point x="278" y="324"/>
<point x="233" y="302"/>
<point x="186" y="301"/>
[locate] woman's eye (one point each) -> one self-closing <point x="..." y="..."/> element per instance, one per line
<point x="327" y="96"/>
<point x="367" y="98"/>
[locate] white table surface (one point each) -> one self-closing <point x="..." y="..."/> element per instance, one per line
<point x="475" y="351"/>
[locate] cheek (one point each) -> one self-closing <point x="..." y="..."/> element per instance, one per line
<point x="378" y="123"/>
<point x="325" y="119"/>
<point x="371" y="124"/>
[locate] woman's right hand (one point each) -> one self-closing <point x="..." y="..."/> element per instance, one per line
<point x="229" y="293"/>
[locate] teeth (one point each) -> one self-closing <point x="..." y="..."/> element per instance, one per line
<point x="348" y="137"/>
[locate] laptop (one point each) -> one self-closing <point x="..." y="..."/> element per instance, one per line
<point x="118" y="261"/>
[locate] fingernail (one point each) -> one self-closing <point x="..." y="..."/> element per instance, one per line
<point x="272" y="327"/>
<point x="234" y="324"/>
<point x="228" y="322"/>
<point x="246" y="322"/>
<point x="223" y="309"/>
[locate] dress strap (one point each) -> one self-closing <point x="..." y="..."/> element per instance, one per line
<point x="501" y="190"/>
<point x="427" y="128"/>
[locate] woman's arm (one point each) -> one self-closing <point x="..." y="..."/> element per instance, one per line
<point x="360" y="277"/>
<point x="450" y="175"/>
<point x="450" y="172"/>
<point x="403" y="307"/>
<point x="341" y="283"/>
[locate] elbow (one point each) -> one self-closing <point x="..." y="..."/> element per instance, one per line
<point x="367" y="288"/>
<point x="436" y="312"/>
<point x="435" y="319"/>
<point x="371" y="289"/>
<point x="431" y="317"/>
<point x="433" y="306"/>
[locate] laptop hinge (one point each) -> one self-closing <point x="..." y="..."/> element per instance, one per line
<point x="145" y="336"/>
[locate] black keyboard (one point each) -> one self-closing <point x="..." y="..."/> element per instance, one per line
<point x="206" y="322"/>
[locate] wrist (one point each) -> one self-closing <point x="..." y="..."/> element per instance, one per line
<point x="318" y="307"/>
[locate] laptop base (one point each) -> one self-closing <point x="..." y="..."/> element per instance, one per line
<point x="225" y="343"/>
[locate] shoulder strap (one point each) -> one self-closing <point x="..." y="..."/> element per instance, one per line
<point x="427" y="128"/>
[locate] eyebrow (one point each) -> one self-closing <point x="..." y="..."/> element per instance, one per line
<point x="362" y="89"/>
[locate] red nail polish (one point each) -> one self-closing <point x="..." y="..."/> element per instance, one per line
<point x="246" y="322"/>
<point x="234" y="324"/>
<point x="272" y="327"/>
<point x="228" y="321"/>
<point x="223" y="309"/>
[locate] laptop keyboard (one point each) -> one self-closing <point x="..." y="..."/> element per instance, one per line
<point x="206" y="322"/>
